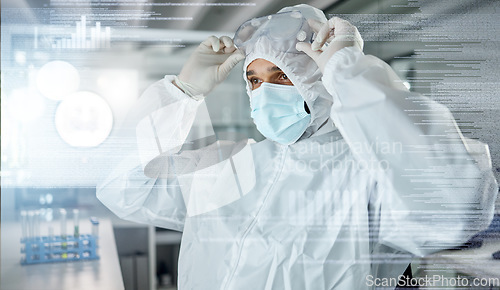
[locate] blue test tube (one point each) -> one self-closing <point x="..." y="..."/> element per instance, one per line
<point x="64" y="244"/>
<point x="31" y="225"/>
<point x="95" y="228"/>
<point x="24" y="225"/>
<point x="51" y="240"/>
<point x="36" y="224"/>
<point x="76" y="222"/>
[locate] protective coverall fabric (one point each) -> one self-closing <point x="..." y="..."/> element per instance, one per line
<point x="397" y="179"/>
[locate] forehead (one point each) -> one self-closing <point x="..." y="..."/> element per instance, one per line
<point x="261" y="66"/>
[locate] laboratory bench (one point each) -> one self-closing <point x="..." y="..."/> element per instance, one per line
<point x="129" y="252"/>
<point x="104" y="273"/>
<point x="121" y="264"/>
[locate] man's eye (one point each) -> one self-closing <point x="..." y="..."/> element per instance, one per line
<point x="284" y="76"/>
<point x="254" y="81"/>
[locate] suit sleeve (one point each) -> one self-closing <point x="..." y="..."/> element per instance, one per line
<point x="432" y="188"/>
<point x="143" y="185"/>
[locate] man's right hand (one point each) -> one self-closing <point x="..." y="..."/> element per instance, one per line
<point x="208" y="66"/>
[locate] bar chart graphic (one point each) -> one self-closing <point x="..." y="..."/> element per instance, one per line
<point x="83" y="37"/>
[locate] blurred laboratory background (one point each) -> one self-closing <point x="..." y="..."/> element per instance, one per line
<point x="71" y="70"/>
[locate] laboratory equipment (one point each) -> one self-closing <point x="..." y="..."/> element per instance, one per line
<point x="36" y="224"/>
<point x="57" y="248"/>
<point x="95" y="227"/>
<point x="31" y="225"/>
<point x="62" y="211"/>
<point x="76" y="227"/>
<point x="24" y="225"/>
<point x="76" y="222"/>
<point x="64" y="244"/>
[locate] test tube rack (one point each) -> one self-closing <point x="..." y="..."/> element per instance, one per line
<point x="44" y="249"/>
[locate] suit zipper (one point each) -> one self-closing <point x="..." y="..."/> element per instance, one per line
<point x="247" y="231"/>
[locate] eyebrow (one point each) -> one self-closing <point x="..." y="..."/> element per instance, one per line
<point x="271" y="69"/>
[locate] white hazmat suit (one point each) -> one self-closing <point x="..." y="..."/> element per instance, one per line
<point x="380" y="175"/>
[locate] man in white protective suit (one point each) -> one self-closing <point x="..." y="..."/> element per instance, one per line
<point x="357" y="175"/>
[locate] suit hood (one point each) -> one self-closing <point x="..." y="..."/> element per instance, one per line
<point x="300" y="69"/>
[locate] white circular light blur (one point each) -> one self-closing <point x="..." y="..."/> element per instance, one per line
<point x="83" y="119"/>
<point x="20" y="57"/>
<point x="57" y="79"/>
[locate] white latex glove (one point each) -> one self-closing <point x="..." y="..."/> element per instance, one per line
<point x="331" y="37"/>
<point x="208" y="66"/>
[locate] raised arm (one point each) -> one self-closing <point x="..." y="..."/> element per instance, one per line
<point x="432" y="187"/>
<point x="168" y="161"/>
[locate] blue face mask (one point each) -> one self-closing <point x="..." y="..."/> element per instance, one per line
<point x="278" y="112"/>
